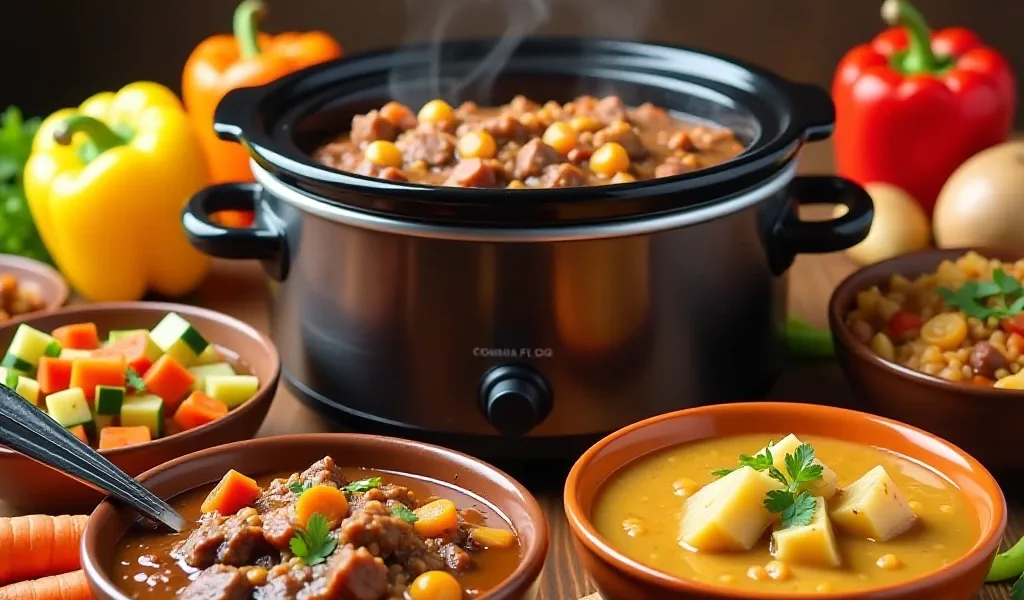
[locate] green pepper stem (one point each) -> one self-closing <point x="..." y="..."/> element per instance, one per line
<point x="102" y="136"/>
<point x="919" y="57"/>
<point x="247" y="26"/>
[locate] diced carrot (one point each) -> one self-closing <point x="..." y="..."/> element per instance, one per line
<point x="53" y="374"/>
<point x="489" y="537"/>
<point x="169" y="380"/>
<point x="79" y="432"/>
<point x="234" y="492"/>
<point x="396" y="113"/>
<point x="119" y="437"/>
<point x="199" y="409"/>
<point x="325" y="500"/>
<point x="133" y="348"/>
<point x="436" y="518"/>
<point x="77" y="336"/>
<point x="87" y="373"/>
<point x="34" y="546"/>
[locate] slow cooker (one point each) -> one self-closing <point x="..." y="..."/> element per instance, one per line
<point x="527" y="323"/>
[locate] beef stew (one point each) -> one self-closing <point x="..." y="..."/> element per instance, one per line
<point x="584" y="142"/>
<point x="327" y="532"/>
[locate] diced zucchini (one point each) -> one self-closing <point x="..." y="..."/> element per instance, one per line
<point x="201" y="372"/>
<point x="72" y="354"/>
<point x="109" y="399"/>
<point x="176" y="336"/>
<point x="116" y="334"/>
<point x="209" y="356"/>
<point x="69" y="407"/>
<point x="101" y="422"/>
<point x="233" y="390"/>
<point x="27" y="387"/>
<point x="27" y="347"/>
<point x="146" y="411"/>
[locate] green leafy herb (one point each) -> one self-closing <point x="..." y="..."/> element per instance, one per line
<point x="760" y="462"/>
<point x="1002" y="297"/>
<point x="18" y="234"/>
<point x="298" y="487"/>
<point x="1007" y="565"/>
<point x="314" y="543"/>
<point x="404" y="513"/>
<point x="135" y="381"/>
<point x="1017" y="591"/>
<point x="362" y="485"/>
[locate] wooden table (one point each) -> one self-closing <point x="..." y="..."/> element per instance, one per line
<point x="238" y="288"/>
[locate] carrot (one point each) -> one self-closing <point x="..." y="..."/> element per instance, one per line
<point x="199" y="409"/>
<point x="489" y="537"/>
<point x="436" y="518"/>
<point x="53" y="374"/>
<point x="396" y="113"/>
<point x="169" y="380"/>
<point x="328" y="501"/>
<point x="78" y="336"/>
<point x="79" y="432"/>
<point x="133" y="347"/>
<point x="38" y="545"/>
<point x="87" y="373"/>
<point x="234" y="492"/>
<point x="119" y="437"/>
<point x="66" y="586"/>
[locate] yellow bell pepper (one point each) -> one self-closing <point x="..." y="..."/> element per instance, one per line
<point x="106" y="184"/>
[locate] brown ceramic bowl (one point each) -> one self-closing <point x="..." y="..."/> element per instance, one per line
<point x="621" y="578"/>
<point x="31" y="487"/>
<point x="109" y="523"/>
<point x="984" y="421"/>
<point x="45" y="280"/>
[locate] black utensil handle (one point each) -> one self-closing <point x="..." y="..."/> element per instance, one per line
<point x="233" y="114"/>
<point x="806" y="237"/>
<point x="257" y="242"/>
<point x="814" y="110"/>
<point x="28" y="430"/>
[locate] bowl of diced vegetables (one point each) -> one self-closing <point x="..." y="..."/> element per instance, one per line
<point x="142" y="382"/>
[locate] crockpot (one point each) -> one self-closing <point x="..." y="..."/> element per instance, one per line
<point x="526" y="323"/>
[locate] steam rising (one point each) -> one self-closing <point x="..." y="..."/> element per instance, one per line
<point x="508" y="21"/>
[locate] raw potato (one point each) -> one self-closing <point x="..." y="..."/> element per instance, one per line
<point x="824" y="487"/>
<point x="728" y="514"/>
<point x="813" y="544"/>
<point x="873" y="507"/>
<point x="899" y="226"/>
<point x="980" y="205"/>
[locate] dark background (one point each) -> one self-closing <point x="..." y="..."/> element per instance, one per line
<point x="55" y="53"/>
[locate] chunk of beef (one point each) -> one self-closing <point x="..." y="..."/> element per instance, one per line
<point x="234" y="540"/>
<point x="343" y="156"/>
<point x="284" y="583"/>
<point x="390" y="491"/>
<point x="649" y="114"/>
<point x="706" y="138"/>
<point x="436" y="148"/>
<point x="219" y="582"/>
<point x="675" y="165"/>
<point x="375" y="528"/>
<point x="503" y="128"/>
<point x="563" y="175"/>
<point x="680" y="140"/>
<point x="473" y="172"/>
<point x="324" y="471"/>
<point x="467" y="110"/>
<point x="534" y="157"/>
<point x="371" y="170"/>
<point x="456" y="558"/>
<point x="610" y="108"/>
<point x="622" y="133"/>
<point x="372" y="127"/>
<point x="349" y="574"/>
<point x="521" y="105"/>
<point x="405" y="120"/>
<point x="986" y="359"/>
<point x="278" y="527"/>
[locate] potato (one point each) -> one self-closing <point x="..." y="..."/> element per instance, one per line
<point x="980" y="205"/>
<point x="900" y="225"/>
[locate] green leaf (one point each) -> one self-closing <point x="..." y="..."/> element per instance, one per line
<point x="313" y="544"/>
<point x="986" y="289"/>
<point x="777" y="501"/>
<point x="1008" y="284"/>
<point x="800" y="512"/>
<point x="299" y="544"/>
<point x="1016" y="308"/>
<point x="777" y="476"/>
<point x="404" y="513"/>
<point x="318" y="530"/>
<point x="296" y="487"/>
<point x="135" y="381"/>
<point x="1017" y="591"/>
<point x="362" y="485"/>
<point x="758" y="463"/>
<point x="721" y="472"/>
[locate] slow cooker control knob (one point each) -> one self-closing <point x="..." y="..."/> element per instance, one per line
<point x="514" y="398"/>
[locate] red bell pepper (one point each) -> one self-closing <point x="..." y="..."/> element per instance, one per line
<point x="912" y="105"/>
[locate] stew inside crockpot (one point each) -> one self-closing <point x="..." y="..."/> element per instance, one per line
<point x="328" y="532"/>
<point x="588" y="141"/>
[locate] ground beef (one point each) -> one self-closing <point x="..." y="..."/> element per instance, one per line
<point x="219" y="582"/>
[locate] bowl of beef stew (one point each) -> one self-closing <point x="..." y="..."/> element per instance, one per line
<point x="324" y="516"/>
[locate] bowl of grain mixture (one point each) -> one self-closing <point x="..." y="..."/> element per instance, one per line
<point x="936" y="339"/>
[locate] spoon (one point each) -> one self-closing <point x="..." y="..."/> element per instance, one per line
<point x="28" y="430"/>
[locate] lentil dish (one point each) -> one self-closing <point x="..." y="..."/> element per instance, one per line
<point x="961" y="323"/>
<point x="710" y="512"/>
<point x="327" y="532"/>
<point x="588" y="141"/>
<point x="17" y="299"/>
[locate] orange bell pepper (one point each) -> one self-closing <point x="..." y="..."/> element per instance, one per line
<point x="248" y="58"/>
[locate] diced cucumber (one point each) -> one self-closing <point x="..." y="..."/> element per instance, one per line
<point x="209" y="356"/>
<point x="201" y="372"/>
<point x="116" y="334"/>
<point x="69" y="407"/>
<point x="27" y="347"/>
<point x="233" y="390"/>
<point x="146" y="411"/>
<point x="27" y="387"/>
<point x="104" y="421"/>
<point x="72" y="354"/>
<point x="109" y="399"/>
<point x="176" y="336"/>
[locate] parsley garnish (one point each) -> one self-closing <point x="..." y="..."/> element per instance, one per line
<point x="1017" y="591"/>
<point x="761" y="462"/>
<point x="135" y="381"/>
<point x="314" y="543"/>
<point x="363" y="485"/>
<point x="298" y="487"/>
<point x="404" y="513"/>
<point x="1002" y="297"/>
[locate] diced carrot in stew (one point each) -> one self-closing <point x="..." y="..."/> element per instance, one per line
<point x="436" y="518"/>
<point x="87" y="373"/>
<point x="119" y="437"/>
<point x="78" y="336"/>
<point x="982" y="381"/>
<point x="53" y="374"/>
<point x="133" y="348"/>
<point x="169" y="380"/>
<point x="234" y="492"/>
<point x="199" y="409"/>
<point x="328" y="501"/>
<point x="489" y="537"/>
<point x="79" y="432"/>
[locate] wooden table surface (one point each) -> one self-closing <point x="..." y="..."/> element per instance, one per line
<point x="238" y="288"/>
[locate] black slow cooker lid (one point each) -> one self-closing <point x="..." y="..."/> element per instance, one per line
<point x="280" y="123"/>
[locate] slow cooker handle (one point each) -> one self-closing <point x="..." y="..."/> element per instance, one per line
<point x="795" y="236"/>
<point x="814" y="109"/>
<point x="260" y="241"/>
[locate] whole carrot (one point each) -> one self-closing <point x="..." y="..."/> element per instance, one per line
<point x="39" y="545"/>
<point x="66" y="586"/>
